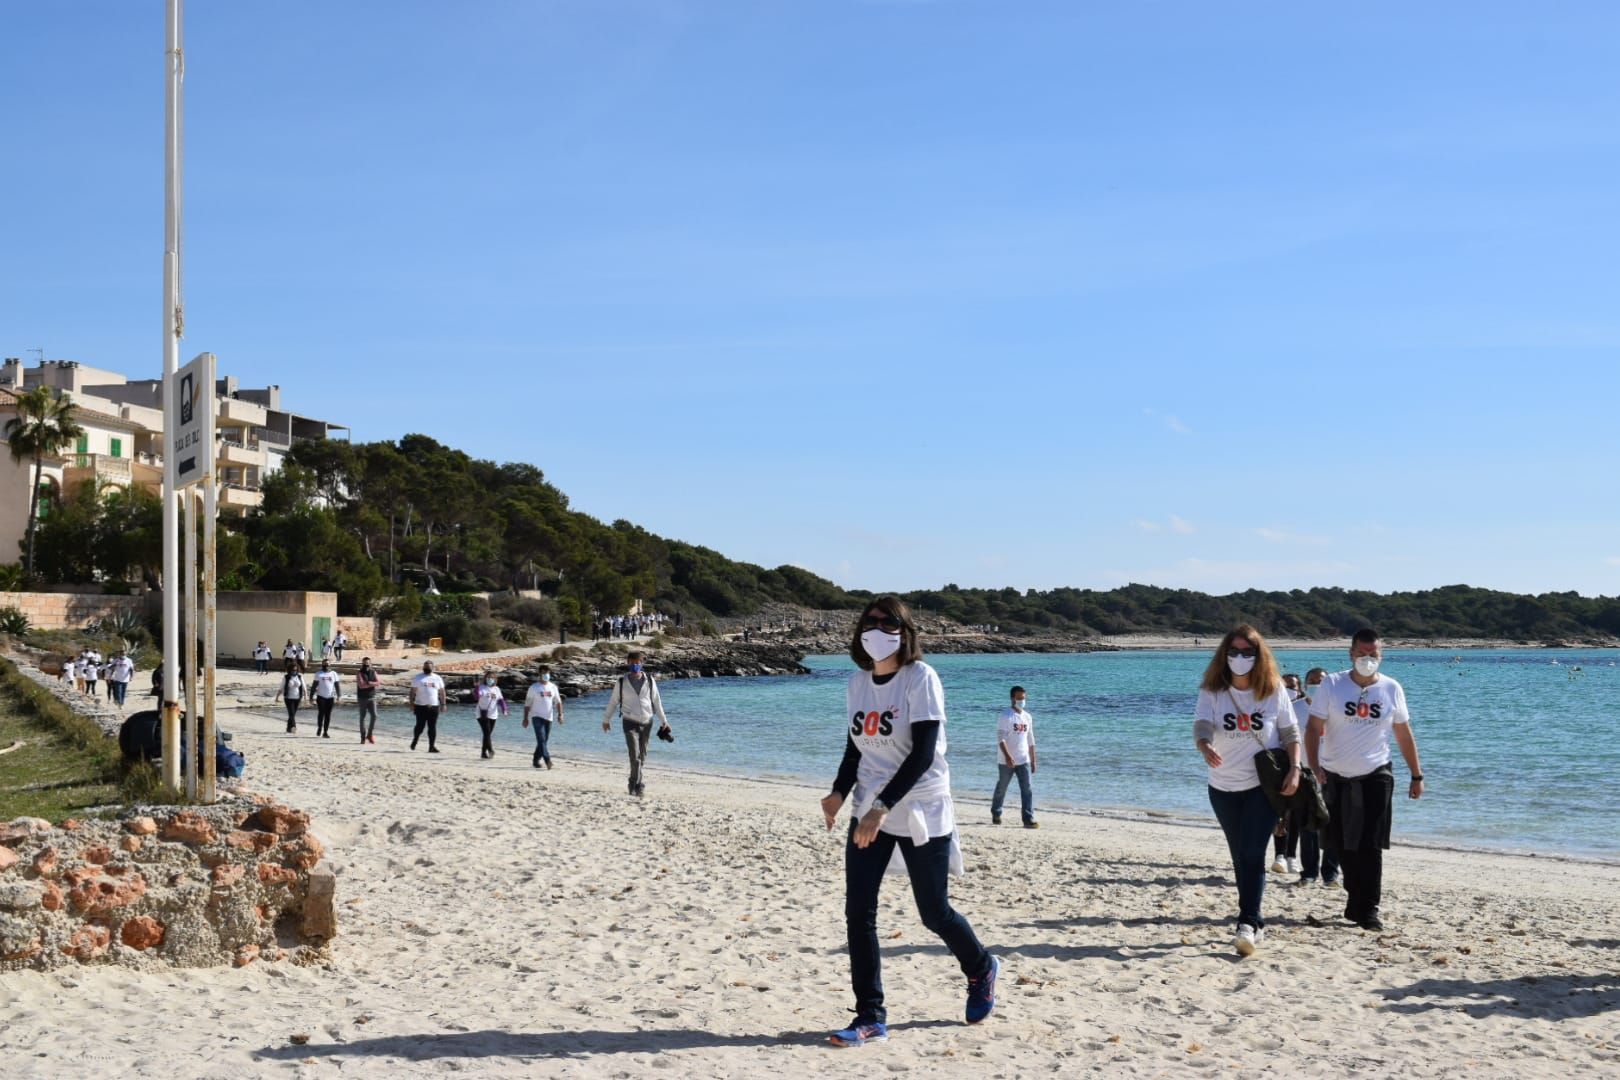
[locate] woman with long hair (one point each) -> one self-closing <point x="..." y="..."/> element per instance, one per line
<point x="1242" y="709"/>
<point x="903" y="817"/>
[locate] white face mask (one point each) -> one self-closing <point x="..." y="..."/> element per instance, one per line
<point x="880" y="644"/>
<point x="1240" y="665"/>
<point x="1021" y="704"/>
<point x="1366" y="666"/>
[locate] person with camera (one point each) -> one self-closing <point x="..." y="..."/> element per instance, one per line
<point x="635" y="697"/>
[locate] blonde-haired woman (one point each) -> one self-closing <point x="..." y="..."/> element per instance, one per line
<point x="1242" y="709"/>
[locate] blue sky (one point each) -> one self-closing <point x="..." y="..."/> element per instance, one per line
<point x="907" y="293"/>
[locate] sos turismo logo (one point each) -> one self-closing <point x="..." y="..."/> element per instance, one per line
<point x="872" y="723"/>
<point x="1363" y="710"/>
<point x="1245" y="721"/>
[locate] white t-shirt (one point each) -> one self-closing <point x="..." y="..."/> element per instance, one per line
<point x="541" y="701"/>
<point x="1357" y="722"/>
<point x="121" y="669"/>
<point x="292" y="686"/>
<point x="262" y="652"/>
<point x="427" y="690"/>
<point x="1016" y="728"/>
<point x="489" y="700"/>
<point x="326" y="684"/>
<point x="880" y="719"/>
<point x="290" y="652"/>
<point x="88" y="670"/>
<point x="1237" y="718"/>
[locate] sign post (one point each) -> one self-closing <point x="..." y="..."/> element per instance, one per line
<point x="192" y="448"/>
<point x="174" y="324"/>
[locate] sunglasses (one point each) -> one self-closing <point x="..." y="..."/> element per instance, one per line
<point x="884" y="622"/>
<point x="1247" y="654"/>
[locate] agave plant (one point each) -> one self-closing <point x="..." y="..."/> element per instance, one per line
<point x="123" y="623"/>
<point x="517" y="635"/>
<point x="13" y="622"/>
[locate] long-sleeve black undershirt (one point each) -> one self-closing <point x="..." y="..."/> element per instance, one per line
<point x="924" y="743"/>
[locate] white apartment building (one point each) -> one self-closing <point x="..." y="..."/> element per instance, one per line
<point x="123" y="439"/>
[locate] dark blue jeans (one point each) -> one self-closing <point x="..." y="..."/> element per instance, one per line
<point x="542" y="740"/>
<point x="1026" y="792"/>
<point x="929" y="868"/>
<point x="1247" y="819"/>
<point x="1314" y="856"/>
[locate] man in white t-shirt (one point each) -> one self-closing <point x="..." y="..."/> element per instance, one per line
<point x="261" y="658"/>
<point x="119" y="672"/>
<point x="1353" y="715"/>
<point x="542" y="705"/>
<point x="427" y="698"/>
<point x="328" y="692"/>
<point x="1015" y="756"/>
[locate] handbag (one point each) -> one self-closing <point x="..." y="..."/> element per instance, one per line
<point x="1272" y="766"/>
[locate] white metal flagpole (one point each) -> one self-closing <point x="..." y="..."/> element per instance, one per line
<point x="173" y="329"/>
<point x="192" y="627"/>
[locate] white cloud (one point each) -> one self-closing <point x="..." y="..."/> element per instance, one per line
<point x="1172" y="422"/>
<point x="1613" y="560"/>
<point x="1286" y="536"/>
<point x="1147" y="526"/>
<point x="1182" y="525"/>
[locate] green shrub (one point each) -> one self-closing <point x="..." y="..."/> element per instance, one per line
<point x="707" y="628"/>
<point x="519" y="635"/>
<point x="13" y="621"/>
<point x="458" y="632"/>
<point x="542" y="613"/>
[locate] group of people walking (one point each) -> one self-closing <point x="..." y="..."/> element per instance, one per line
<point x="1339" y="726"/>
<point x="88" y="670"/>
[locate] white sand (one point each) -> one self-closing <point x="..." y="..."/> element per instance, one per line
<point x="500" y="921"/>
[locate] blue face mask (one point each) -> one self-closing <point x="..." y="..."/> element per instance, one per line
<point x="635" y="669"/>
<point x="545" y="678"/>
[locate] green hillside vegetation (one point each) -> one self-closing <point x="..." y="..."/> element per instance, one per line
<point x="372" y="522"/>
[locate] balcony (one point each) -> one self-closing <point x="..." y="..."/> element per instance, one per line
<point x="235" y="413"/>
<point x="234" y="453"/>
<point x="102" y="468"/>
<point x="234" y="497"/>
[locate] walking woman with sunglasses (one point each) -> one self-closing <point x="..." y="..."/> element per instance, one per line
<point x="1243" y="709"/>
<point x="903" y="818"/>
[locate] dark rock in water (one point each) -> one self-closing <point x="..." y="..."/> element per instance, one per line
<point x="582" y="671"/>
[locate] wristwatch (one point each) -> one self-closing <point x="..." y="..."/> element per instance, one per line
<point x="1417" y="778"/>
<point x="879" y="804"/>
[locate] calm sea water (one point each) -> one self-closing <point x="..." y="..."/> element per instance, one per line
<point x="1519" y="748"/>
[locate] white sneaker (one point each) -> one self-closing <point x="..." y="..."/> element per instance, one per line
<point x="1295" y="866"/>
<point x="1278" y="866"/>
<point x="1247" y="938"/>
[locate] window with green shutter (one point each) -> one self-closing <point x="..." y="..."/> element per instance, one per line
<point x="117" y="447"/>
<point x="82" y="450"/>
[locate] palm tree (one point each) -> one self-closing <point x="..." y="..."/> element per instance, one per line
<point x="43" y="425"/>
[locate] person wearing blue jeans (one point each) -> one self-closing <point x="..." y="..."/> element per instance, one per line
<point x="1015" y="749"/>
<point x="1243" y="708"/>
<point x="540" y="705"/>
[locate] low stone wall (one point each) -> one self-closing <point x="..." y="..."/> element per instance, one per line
<point x="71" y="611"/>
<point x="224" y="884"/>
<point x="360" y="632"/>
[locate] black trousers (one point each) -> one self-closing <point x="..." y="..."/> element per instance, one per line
<point x="426" y="717"/>
<point x="323" y="714"/>
<point x="1358" y="834"/>
<point x="486" y="724"/>
<point x="292" y="714"/>
<point x="928" y="866"/>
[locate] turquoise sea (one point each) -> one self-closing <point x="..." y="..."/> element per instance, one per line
<point x="1519" y="748"/>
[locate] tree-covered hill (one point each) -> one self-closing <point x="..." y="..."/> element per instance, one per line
<point x="371" y="521"/>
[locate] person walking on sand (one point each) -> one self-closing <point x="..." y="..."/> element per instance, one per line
<point x="635" y="696"/>
<point x="1015" y="747"/>
<point x="290" y="652"/>
<point x="328" y="692"/>
<point x="542" y="704"/>
<point x="1242" y="709"/>
<point x="1353" y="715"/>
<point x="365" y="692"/>
<point x="427" y="698"/>
<point x="1285" y="837"/>
<point x="291" y="692"/>
<point x="119" y="672"/>
<point x="1317" y="861"/>
<point x="261" y="658"/>
<point x="491" y="706"/>
<point x="902" y="813"/>
<point x="89" y="672"/>
<point x="340" y="643"/>
<point x="326" y="650"/>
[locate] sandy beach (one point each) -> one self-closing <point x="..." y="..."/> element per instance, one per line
<point x="501" y="921"/>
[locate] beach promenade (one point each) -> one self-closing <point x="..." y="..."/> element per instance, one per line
<point x="502" y="922"/>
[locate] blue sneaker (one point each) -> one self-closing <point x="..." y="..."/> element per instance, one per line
<point x="982" y="993"/>
<point x="860" y="1033"/>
